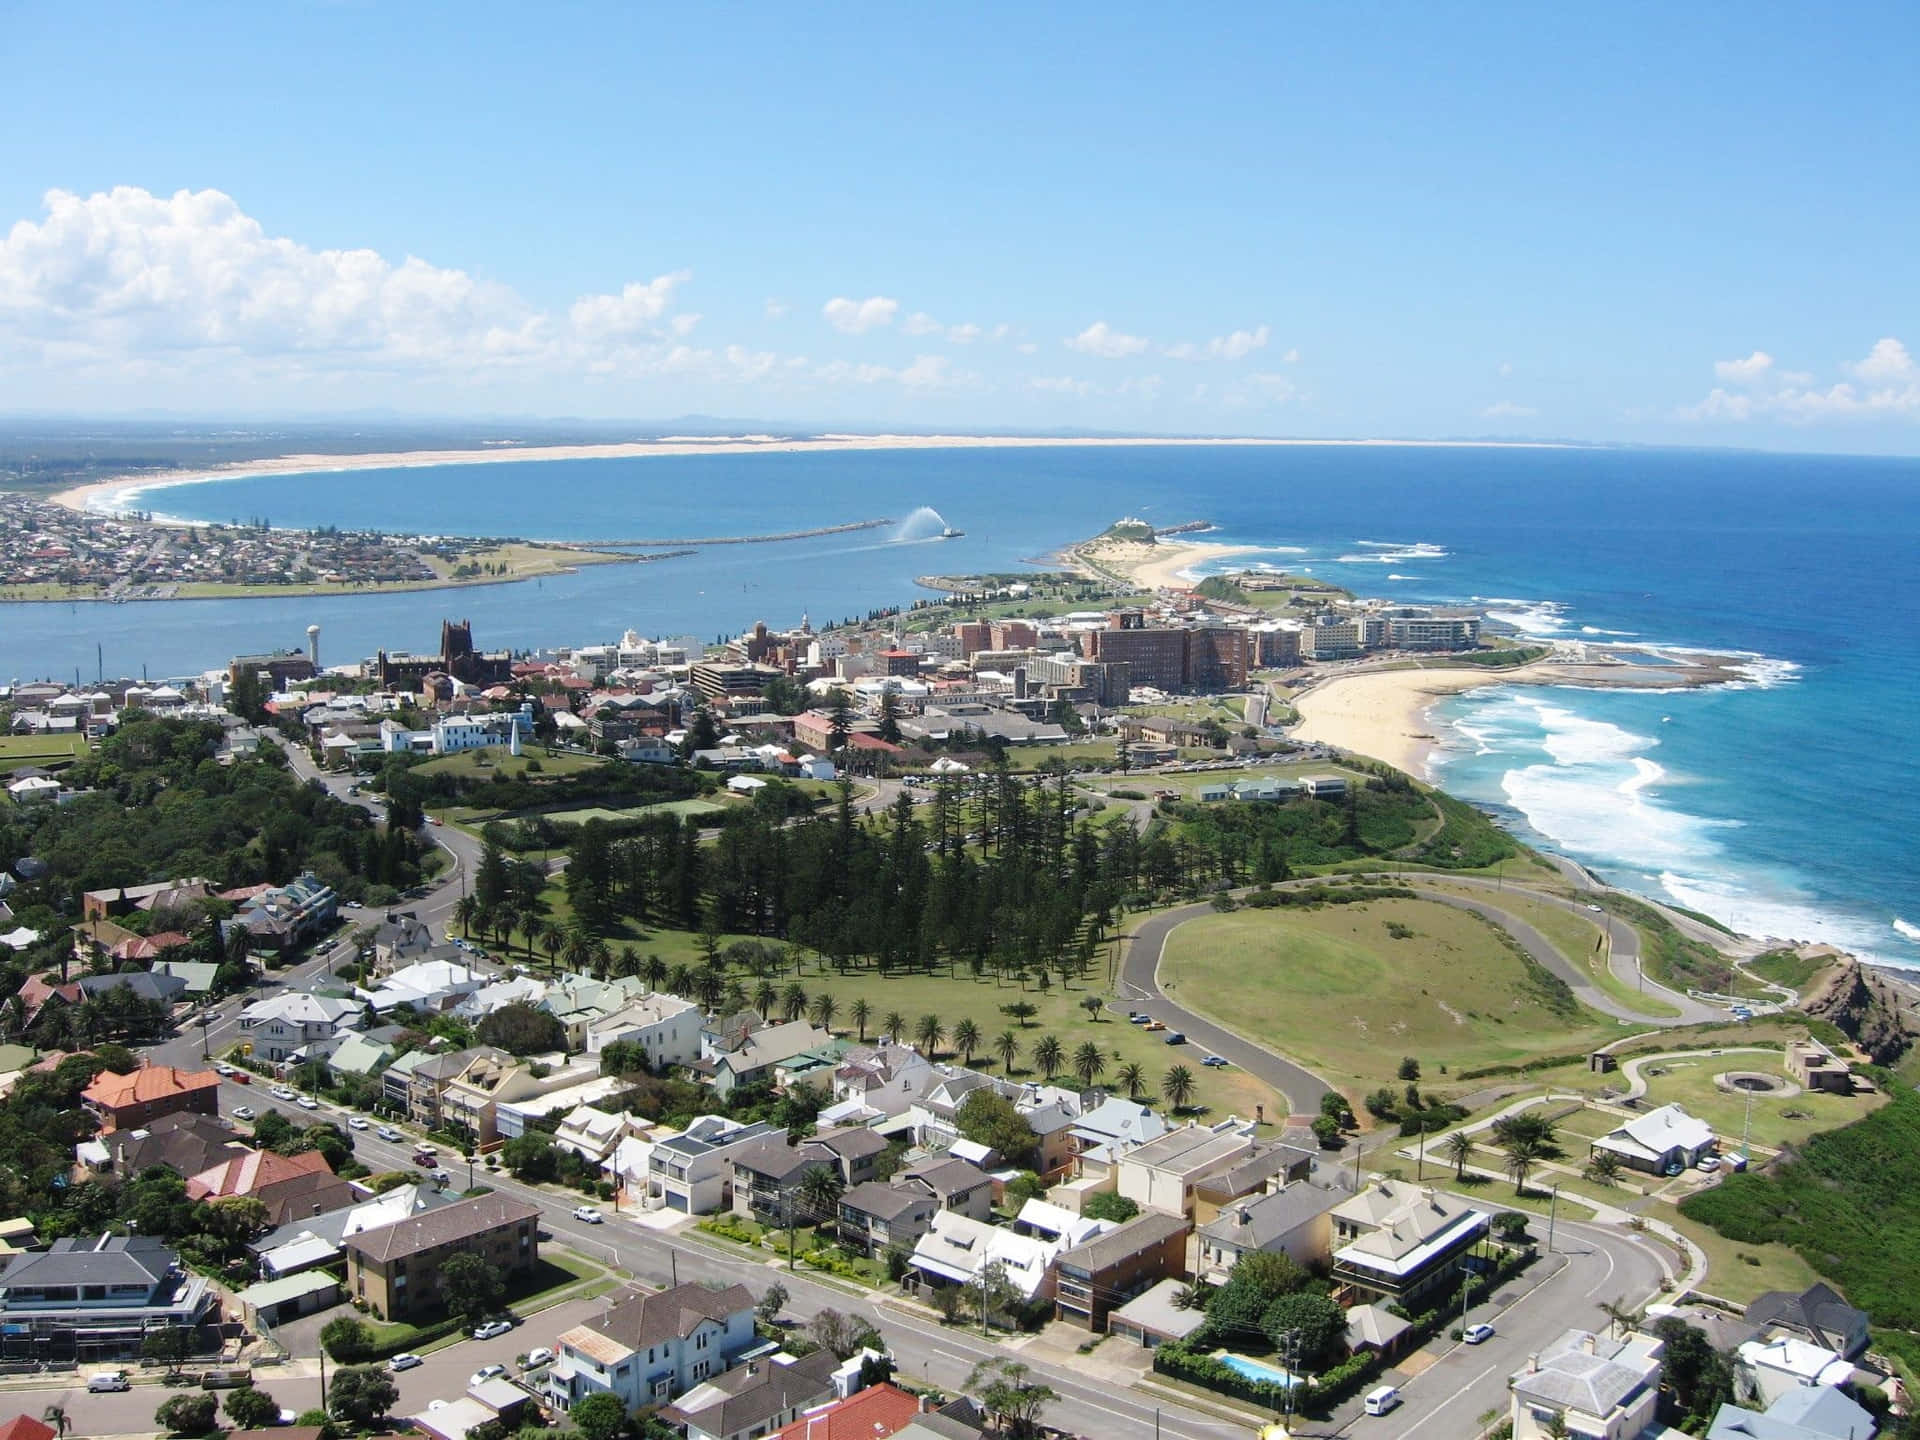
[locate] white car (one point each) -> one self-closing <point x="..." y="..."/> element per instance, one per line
<point x="486" y="1373"/>
<point x="242" y="1112"/>
<point x="587" y="1215"/>
<point x="357" y="1122"/>
<point x="223" y="1069"/>
<point x="307" y="1102"/>
<point x="389" y="1134"/>
<point x="405" y="1360"/>
<point x="1708" y="1163"/>
<point x="1477" y="1334"/>
<point x="108" y="1380"/>
<point x="492" y="1329"/>
<point x="537" y="1358"/>
<point x="282" y="1092"/>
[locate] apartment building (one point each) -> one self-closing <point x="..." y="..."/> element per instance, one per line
<point x="395" y="1269"/>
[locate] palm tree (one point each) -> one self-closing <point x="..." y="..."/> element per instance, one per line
<point x="818" y="1194"/>
<point x="680" y="979"/>
<point x="966" y="1040"/>
<point x="861" y="1012"/>
<point x="1604" y="1166"/>
<point x="1458" y="1148"/>
<point x="895" y="1026"/>
<point x="552" y="937"/>
<point x="626" y="964"/>
<point x="1007" y="1046"/>
<point x="464" y="909"/>
<point x="793" y="1000"/>
<point x="929" y="1032"/>
<point x="575" y="947"/>
<point x="735" y="1000"/>
<point x="1089" y="1062"/>
<point x="708" y="986"/>
<point x="1048" y="1055"/>
<point x="655" y="971"/>
<point x="1620" y="1314"/>
<point x="825" y="1008"/>
<point x="1523" y="1153"/>
<point x="531" y="927"/>
<point x="765" y="994"/>
<point x="1177" y="1086"/>
<point x="1132" y="1075"/>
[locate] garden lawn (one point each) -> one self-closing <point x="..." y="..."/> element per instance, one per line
<point x="1776" y="1122"/>
<point x="33" y="750"/>
<point x="483" y="763"/>
<point x="1333" y="988"/>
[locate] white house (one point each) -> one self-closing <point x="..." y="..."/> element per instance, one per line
<point x="647" y="1348"/>
<point x="282" y="1024"/>
<point x="957" y="1248"/>
<point x="1659" y="1140"/>
<point x="666" y="1027"/>
<point x="1598" y="1388"/>
<point x="693" y="1172"/>
<point x="430" y="986"/>
<point x="455" y="733"/>
<point x="1773" y="1367"/>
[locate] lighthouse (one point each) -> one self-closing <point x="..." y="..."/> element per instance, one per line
<point x="313" y="647"/>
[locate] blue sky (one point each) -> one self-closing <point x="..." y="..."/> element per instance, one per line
<point x="1656" y="223"/>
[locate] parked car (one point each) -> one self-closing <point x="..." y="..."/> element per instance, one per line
<point x="587" y="1215"/>
<point x="492" y="1328"/>
<point x="242" y="1112"/>
<point x="241" y="1077"/>
<point x="389" y="1134"/>
<point x="1381" y="1399"/>
<point x="357" y="1122"/>
<point x="108" y="1380"/>
<point x="307" y="1102"/>
<point x="486" y="1373"/>
<point x="1156" y="1024"/>
<point x="405" y="1360"/>
<point x="223" y="1069"/>
<point x="283" y="1092"/>
<point x="1174" y="1037"/>
<point x="1477" y="1334"/>
<point x="1708" y="1163"/>
<point x="538" y="1357"/>
<point x="1215" y="1062"/>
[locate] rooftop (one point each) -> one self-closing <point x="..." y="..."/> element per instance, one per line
<point x="446" y="1226"/>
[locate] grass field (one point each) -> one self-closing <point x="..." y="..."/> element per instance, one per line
<point x="483" y="763"/>
<point x="1335" y="989"/>
<point x="1776" y="1122"/>
<point x="1739" y="1271"/>
<point x="668" y="807"/>
<point x="35" y="750"/>
<point x="1784" y="967"/>
<point x="1148" y="782"/>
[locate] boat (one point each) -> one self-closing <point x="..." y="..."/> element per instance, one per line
<point x="951" y="534"/>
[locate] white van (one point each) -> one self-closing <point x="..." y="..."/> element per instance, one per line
<point x="108" y="1380"/>
<point x="1382" y="1399"/>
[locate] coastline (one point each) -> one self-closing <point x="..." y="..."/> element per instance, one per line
<point x="88" y="497"/>
<point x="1161" y="565"/>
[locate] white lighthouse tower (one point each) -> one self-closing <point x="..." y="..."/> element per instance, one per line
<point x="313" y="646"/>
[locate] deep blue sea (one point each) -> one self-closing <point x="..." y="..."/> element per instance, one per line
<point x="1786" y="806"/>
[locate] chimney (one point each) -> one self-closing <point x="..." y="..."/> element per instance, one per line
<point x="1590" y="1344"/>
<point x="1533" y="1364"/>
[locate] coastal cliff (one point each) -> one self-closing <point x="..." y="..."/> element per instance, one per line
<point x="1877" y="1015"/>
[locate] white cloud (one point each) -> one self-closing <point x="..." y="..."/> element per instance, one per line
<point x="856" y="317"/>
<point x="1888" y="387"/>
<point x="1063" y="385"/>
<point x="926" y="373"/>
<point x="1027" y="347"/>
<point x="920" y="323"/>
<point x="1506" y="369"/>
<point x="636" y="310"/>
<point x="963" y="334"/>
<point x="1292" y="357"/>
<point x="1000" y="331"/>
<point x="1507" y="410"/>
<point x="1234" y="346"/>
<point x="776" y="309"/>
<point x="1108" y="343"/>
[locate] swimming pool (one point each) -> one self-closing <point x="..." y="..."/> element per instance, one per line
<point x="1258" y="1370"/>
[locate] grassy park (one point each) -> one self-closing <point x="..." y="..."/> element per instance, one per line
<point x="1346" y="994"/>
<point x="39" y="750"/>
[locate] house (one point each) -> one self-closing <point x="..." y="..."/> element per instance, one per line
<point x="1815" y="1067"/>
<point x="875" y="1218"/>
<point x="723" y="1034"/>
<point x="853" y="1151"/>
<point x="693" y="1172"/>
<point x="1111" y="1129"/>
<point x="282" y="1025"/>
<point x="1770" y="1368"/>
<point x="96" y="1298"/>
<point x="956" y="1186"/>
<point x="1818" y="1314"/>
<point x="513" y="1118"/>
<point x="471" y="1099"/>
<point x="306" y="1241"/>
<point x="1377" y="1330"/>
<point x="1295" y="1220"/>
<point x="273" y="1302"/>
<point x="288" y="1185"/>
<point x="1660" y="1142"/>
<point x="1815" y="1412"/>
<point x="358" y="1055"/>
<point x="870" y="1414"/>
<point x="957" y="1248"/>
<point x="665" y="1027"/>
<point x="428" y="1077"/>
<point x="767" y="1175"/>
<point x="752" y="1400"/>
<point x="881" y="1081"/>
<point x="1399" y="1242"/>
<point x="1161" y="1174"/>
<point x="430" y="986"/>
<point x="126" y="1102"/>
<point x="592" y="1133"/>
<point x="647" y="1348"/>
<point x="755" y="1059"/>
<point x="185" y="1143"/>
<point x="1598" y="1388"/>
<point x="288" y="916"/>
<point x="1154" y="1317"/>
<point x="395" y="1269"/>
<point x="1102" y="1273"/>
<point x="400" y="938"/>
<point x="196" y="975"/>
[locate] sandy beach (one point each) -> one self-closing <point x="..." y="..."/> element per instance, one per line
<point x="96" y="496"/>
<point x="1383" y="713"/>
<point x="1160" y="566"/>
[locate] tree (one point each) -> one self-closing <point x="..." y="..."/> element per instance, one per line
<point x="819" y="1192"/>
<point x="1459" y="1149"/>
<point x="1523" y="1153"/>
<point x="845" y="1335"/>
<point x="1110" y="1205"/>
<point x="1305" y="1327"/>
<point x="860" y="1013"/>
<point x="772" y="1303"/>
<point x="1021" y="1012"/>
<point x="470" y="1286"/>
<point x="1409" y="1068"/>
<point x="251" y="1409"/>
<point x="531" y="1157"/>
<point x="1603" y="1166"/>
<point x="825" y="1009"/>
<point x="793" y="1001"/>
<point x="988" y="1118"/>
<point x="1699" y="1377"/>
<point x="1049" y="1055"/>
<point x="168" y="1346"/>
<point x="1619" y="1314"/>
<point x="1089" y="1062"/>
<point x="1554" y="1427"/>
<point x="361" y="1395"/>
<point x="930" y="1032"/>
<point x="599" y="1416"/>
<point x="1091" y="1004"/>
<point x="765" y="995"/>
<point x="1177" y="1086"/>
<point x="1132" y="1076"/>
<point x="347" y="1339"/>
<point x="1007" y="1046"/>
<point x="187" y="1414"/>
<point x="1326" y="1130"/>
<point x="1006" y="1388"/>
<point x="966" y="1040"/>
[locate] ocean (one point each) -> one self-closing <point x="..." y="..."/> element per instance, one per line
<point x="1785" y="805"/>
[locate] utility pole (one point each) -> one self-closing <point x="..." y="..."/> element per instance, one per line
<point x="1553" y="1210"/>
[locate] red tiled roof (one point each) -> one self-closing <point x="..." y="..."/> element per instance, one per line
<point x="148" y="1083"/>
<point x="870" y="1414"/>
<point x="253" y="1170"/>
<point x="25" y="1427"/>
